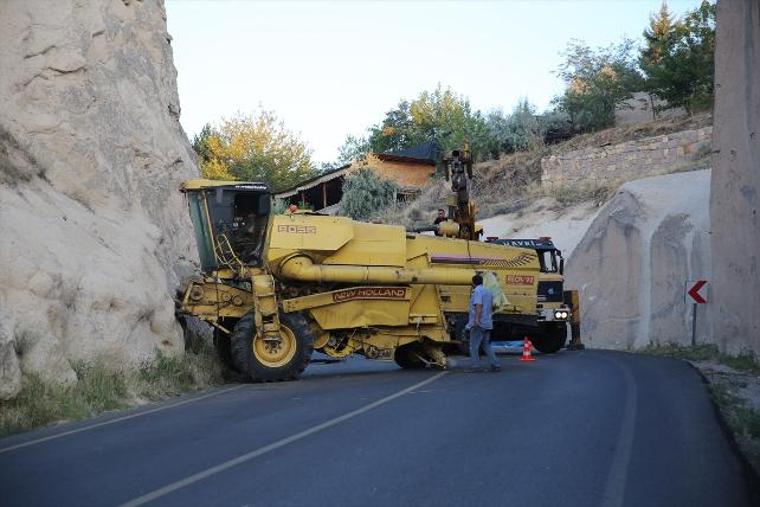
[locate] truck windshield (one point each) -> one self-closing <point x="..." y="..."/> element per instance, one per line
<point x="548" y="260"/>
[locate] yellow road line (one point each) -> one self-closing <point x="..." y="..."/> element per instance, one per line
<point x="187" y="481"/>
<point x="118" y="419"/>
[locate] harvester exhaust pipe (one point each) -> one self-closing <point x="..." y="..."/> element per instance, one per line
<point x="302" y="268"/>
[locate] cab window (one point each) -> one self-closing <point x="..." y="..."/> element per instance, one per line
<point x="548" y="261"/>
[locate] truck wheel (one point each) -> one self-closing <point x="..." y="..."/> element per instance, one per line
<point x="406" y="356"/>
<point x="552" y="339"/>
<point x="267" y="362"/>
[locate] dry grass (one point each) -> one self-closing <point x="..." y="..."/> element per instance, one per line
<point x="99" y="389"/>
<point x="420" y="210"/>
<point x="498" y="186"/>
<point x="616" y="135"/>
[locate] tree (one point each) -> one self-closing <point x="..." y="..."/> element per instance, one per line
<point x="200" y="142"/>
<point x="365" y="194"/>
<point x="555" y="127"/>
<point x="440" y="115"/>
<point x="256" y="147"/>
<point x="678" y="59"/>
<point x="354" y="148"/>
<point x="498" y="138"/>
<point x="395" y="132"/>
<point x="518" y="131"/>
<point x="598" y="82"/>
<point x="524" y="127"/>
<point x="658" y="39"/>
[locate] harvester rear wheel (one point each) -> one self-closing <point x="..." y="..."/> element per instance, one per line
<point x="267" y="362"/>
<point x="407" y="356"/>
<point x="552" y="339"/>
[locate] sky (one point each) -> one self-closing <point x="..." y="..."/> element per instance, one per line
<point x="329" y="69"/>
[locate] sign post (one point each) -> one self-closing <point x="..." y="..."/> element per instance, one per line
<point x="692" y="291"/>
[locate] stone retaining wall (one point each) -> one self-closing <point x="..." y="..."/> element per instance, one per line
<point x="629" y="160"/>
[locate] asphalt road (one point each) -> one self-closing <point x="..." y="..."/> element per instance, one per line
<point x="573" y="429"/>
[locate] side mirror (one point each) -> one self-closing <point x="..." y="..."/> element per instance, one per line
<point x="561" y="265"/>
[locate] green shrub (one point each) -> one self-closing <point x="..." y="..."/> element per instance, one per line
<point x="365" y="195"/>
<point x="279" y="206"/>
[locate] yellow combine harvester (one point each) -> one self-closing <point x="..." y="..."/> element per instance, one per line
<point x="277" y="287"/>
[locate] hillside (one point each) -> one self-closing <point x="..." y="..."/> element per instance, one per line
<point x="513" y="182"/>
<point x="616" y="202"/>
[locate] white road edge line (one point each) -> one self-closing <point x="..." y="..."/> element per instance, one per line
<point x="187" y="481"/>
<point x="118" y="419"/>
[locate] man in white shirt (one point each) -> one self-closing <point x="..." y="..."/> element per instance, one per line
<point x="480" y="323"/>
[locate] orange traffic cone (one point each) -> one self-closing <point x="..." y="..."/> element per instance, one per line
<point x="527" y="349"/>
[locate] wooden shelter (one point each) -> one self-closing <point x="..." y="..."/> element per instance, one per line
<point x="410" y="169"/>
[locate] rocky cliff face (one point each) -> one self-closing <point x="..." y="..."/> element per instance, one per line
<point x="735" y="206"/>
<point x="93" y="233"/>
<point x="633" y="262"/>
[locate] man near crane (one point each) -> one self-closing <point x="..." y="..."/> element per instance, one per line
<point x="480" y="323"/>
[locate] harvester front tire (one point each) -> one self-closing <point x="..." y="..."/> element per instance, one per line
<point x="552" y="339"/>
<point x="246" y="361"/>
<point x="223" y="348"/>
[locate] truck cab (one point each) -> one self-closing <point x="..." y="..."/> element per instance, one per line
<point x="553" y="308"/>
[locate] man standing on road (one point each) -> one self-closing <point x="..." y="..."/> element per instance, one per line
<point x="480" y="323"/>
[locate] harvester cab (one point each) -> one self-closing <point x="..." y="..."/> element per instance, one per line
<point x="230" y="222"/>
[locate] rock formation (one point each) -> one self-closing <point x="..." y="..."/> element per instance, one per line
<point x="633" y="262"/>
<point x="735" y="205"/>
<point x="94" y="236"/>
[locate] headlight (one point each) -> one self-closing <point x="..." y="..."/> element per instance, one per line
<point x="561" y="315"/>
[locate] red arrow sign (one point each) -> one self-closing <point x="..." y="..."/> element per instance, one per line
<point x="694" y="292"/>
